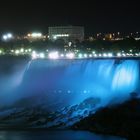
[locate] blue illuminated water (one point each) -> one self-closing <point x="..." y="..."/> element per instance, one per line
<point x="83" y="78"/>
<point x="72" y="81"/>
<point x="53" y="135"/>
<point x="61" y="87"/>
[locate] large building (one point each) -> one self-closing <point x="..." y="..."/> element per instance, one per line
<point x="67" y="33"/>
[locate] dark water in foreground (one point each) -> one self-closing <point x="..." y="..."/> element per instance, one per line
<point x="53" y="135"/>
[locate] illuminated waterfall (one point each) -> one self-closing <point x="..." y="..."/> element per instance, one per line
<point x="72" y="81"/>
<point x="75" y="80"/>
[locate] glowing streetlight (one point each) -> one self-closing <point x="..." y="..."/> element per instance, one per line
<point x="62" y="55"/>
<point x="53" y="55"/>
<point x="119" y="54"/>
<point x="42" y="55"/>
<point x="104" y="55"/>
<point x="34" y="55"/>
<point x="70" y="55"/>
<point x="90" y="55"/>
<point x="80" y="55"/>
<point x="16" y="51"/>
<point x="7" y="36"/>
<point x="85" y="55"/>
<point x="110" y="54"/>
<point x="21" y="50"/>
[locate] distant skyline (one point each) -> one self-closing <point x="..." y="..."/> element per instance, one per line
<point x="96" y="16"/>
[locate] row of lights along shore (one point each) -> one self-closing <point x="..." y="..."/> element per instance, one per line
<point x="67" y="55"/>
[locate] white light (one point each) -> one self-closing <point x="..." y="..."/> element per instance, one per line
<point x="85" y="55"/>
<point x="110" y="54"/>
<point x="9" y="35"/>
<point x="16" y="51"/>
<point x="5" y="37"/>
<point x="61" y="35"/>
<point x="93" y="52"/>
<point x="70" y="43"/>
<point x="119" y="54"/>
<point x="131" y="54"/>
<point x="100" y="55"/>
<point x="62" y="55"/>
<point x="53" y="55"/>
<point x="42" y="55"/>
<point x="70" y="55"/>
<point x="29" y="50"/>
<point x="95" y="55"/>
<point x="90" y="55"/>
<point x="104" y="55"/>
<point x="0" y="51"/>
<point x="34" y="55"/>
<point x="54" y="37"/>
<point x="36" y="34"/>
<point x="21" y="50"/>
<point x="80" y="55"/>
<point x="124" y="54"/>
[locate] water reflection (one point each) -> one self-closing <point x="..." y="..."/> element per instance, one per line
<point x="53" y="135"/>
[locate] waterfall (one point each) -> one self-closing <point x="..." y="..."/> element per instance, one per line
<point x="72" y="81"/>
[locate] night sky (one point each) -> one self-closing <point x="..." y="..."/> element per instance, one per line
<point x="96" y="16"/>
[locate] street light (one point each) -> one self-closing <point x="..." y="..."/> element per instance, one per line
<point x="7" y="36"/>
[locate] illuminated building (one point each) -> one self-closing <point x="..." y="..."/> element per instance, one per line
<point x="35" y="36"/>
<point x="108" y="37"/>
<point x="67" y="33"/>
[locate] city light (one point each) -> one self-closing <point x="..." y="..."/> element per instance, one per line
<point x="29" y="50"/>
<point x="85" y="55"/>
<point x="110" y="54"/>
<point x="100" y="55"/>
<point x="53" y="55"/>
<point x="80" y="55"/>
<point x="21" y="50"/>
<point x="60" y="35"/>
<point x="34" y="55"/>
<point x="62" y="55"/>
<point x="95" y="55"/>
<point x="16" y="51"/>
<point x="42" y="55"/>
<point x="70" y="55"/>
<point x="7" y="36"/>
<point x="90" y="55"/>
<point x="123" y="54"/>
<point x="36" y="35"/>
<point x="119" y="54"/>
<point x="104" y="55"/>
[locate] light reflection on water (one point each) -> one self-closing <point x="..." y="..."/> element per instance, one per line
<point x="53" y="135"/>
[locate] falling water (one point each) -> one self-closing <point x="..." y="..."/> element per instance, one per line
<point x="72" y="81"/>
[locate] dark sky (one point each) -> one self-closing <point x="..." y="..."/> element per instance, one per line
<point x="96" y="15"/>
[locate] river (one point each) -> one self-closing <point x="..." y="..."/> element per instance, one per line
<point x="53" y="135"/>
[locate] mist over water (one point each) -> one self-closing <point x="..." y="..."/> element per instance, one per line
<point x="68" y="82"/>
